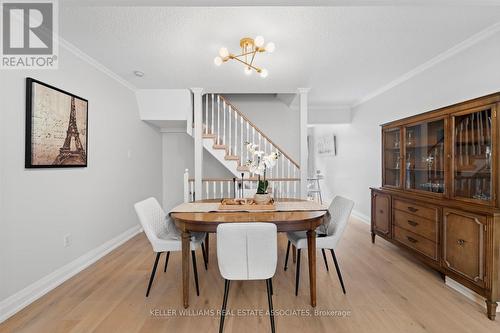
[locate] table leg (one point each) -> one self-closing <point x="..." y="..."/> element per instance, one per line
<point x="311" y="252"/>
<point x="207" y="240"/>
<point x="186" y="237"/>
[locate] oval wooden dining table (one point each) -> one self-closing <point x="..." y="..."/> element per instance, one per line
<point x="285" y="221"/>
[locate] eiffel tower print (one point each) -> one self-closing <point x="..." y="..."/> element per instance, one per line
<point x="67" y="156"/>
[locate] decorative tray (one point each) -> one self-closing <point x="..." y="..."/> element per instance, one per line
<point x="244" y="204"/>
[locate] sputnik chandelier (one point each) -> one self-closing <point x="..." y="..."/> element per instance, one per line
<point x="249" y="49"/>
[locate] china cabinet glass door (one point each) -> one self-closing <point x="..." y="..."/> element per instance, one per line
<point x="472" y="158"/>
<point x="425" y="157"/>
<point x="392" y="157"/>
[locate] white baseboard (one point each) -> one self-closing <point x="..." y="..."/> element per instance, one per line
<point x="24" y="297"/>
<point x="362" y="217"/>
<point x="472" y="295"/>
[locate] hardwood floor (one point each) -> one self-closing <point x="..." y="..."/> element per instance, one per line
<point x="387" y="291"/>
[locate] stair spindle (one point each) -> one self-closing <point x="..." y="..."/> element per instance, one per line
<point x="236" y="133"/>
<point x="241" y="139"/>
<point x="218" y="120"/>
<point x="224" y="126"/>
<point x="212" y="114"/>
<point x="230" y="120"/>
<point x="248" y="140"/>
<point x="206" y="114"/>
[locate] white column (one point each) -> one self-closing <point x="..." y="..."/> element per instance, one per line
<point x="198" y="142"/>
<point x="303" y="141"/>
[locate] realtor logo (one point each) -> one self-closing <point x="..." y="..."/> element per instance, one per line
<point x="29" y="32"/>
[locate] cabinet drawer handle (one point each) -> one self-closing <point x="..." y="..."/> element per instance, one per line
<point x="381" y="211"/>
<point x="411" y="239"/>
<point x="461" y="242"/>
<point x="412" y="223"/>
<point x="412" y="209"/>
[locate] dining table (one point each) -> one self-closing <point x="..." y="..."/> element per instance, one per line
<point x="289" y="215"/>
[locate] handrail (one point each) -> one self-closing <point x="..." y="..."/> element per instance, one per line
<point x="258" y="130"/>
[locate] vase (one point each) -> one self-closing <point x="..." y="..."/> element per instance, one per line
<point x="262" y="199"/>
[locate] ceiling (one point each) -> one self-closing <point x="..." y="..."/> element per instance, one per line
<point x="342" y="53"/>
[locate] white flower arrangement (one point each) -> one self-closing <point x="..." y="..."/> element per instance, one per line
<point x="260" y="163"/>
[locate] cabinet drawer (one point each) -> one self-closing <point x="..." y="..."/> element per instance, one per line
<point x="430" y="213"/>
<point x="416" y="242"/>
<point x="423" y="227"/>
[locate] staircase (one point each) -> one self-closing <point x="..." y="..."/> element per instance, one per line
<point x="226" y="131"/>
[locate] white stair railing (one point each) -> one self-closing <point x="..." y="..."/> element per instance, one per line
<point x="218" y="188"/>
<point x="232" y="129"/>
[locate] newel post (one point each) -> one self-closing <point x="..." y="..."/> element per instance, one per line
<point x="303" y="141"/>
<point x="198" y="141"/>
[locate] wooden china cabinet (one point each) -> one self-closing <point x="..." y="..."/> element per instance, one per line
<point x="440" y="192"/>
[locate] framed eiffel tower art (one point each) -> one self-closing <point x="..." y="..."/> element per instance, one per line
<point x="56" y="127"/>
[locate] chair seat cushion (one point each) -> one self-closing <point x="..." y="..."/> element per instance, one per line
<point x="299" y="239"/>
<point x="172" y="242"/>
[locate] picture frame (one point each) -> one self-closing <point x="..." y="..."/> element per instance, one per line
<point x="56" y="127"/>
<point x="327" y="145"/>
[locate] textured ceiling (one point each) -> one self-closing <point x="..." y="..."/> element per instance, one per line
<point x="342" y="53"/>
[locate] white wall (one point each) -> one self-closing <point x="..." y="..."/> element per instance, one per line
<point x="277" y="120"/>
<point x="178" y="155"/>
<point x="93" y="204"/>
<point x="471" y="73"/>
<point x="164" y="104"/>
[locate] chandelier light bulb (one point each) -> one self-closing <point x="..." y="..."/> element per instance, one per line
<point x="248" y="71"/>
<point x="223" y="52"/>
<point x="270" y="47"/>
<point x="218" y="61"/>
<point x="259" y="41"/>
<point x="264" y="73"/>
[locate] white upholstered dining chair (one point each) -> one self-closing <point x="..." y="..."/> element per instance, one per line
<point x="247" y="251"/>
<point x="327" y="236"/>
<point x="164" y="236"/>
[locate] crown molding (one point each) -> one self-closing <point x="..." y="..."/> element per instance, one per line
<point x="460" y="47"/>
<point x="96" y="64"/>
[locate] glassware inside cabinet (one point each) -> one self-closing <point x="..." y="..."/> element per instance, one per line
<point x="425" y="160"/>
<point x="472" y="155"/>
<point x="392" y="158"/>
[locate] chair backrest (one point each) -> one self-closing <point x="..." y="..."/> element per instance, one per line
<point x="155" y="222"/>
<point x="247" y="251"/>
<point x="340" y="210"/>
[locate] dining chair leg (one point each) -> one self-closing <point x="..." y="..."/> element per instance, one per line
<point x="166" y="261"/>
<point x="205" y="259"/>
<point x="224" y="305"/>
<point x="338" y="270"/>
<point x="286" y="256"/>
<point x="271" y="285"/>
<point x="270" y="301"/>
<point x="297" y="273"/>
<point x="207" y="242"/>
<point x="324" y="259"/>
<point x="153" y="273"/>
<point x="195" y="271"/>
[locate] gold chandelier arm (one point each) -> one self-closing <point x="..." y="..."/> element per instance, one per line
<point x="249" y="65"/>
<point x="253" y="57"/>
<point x="243" y="54"/>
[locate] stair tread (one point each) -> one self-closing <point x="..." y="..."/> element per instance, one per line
<point x="242" y="168"/>
<point x="232" y="157"/>
<point x="209" y="136"/>
<point x="219" y="146"/>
